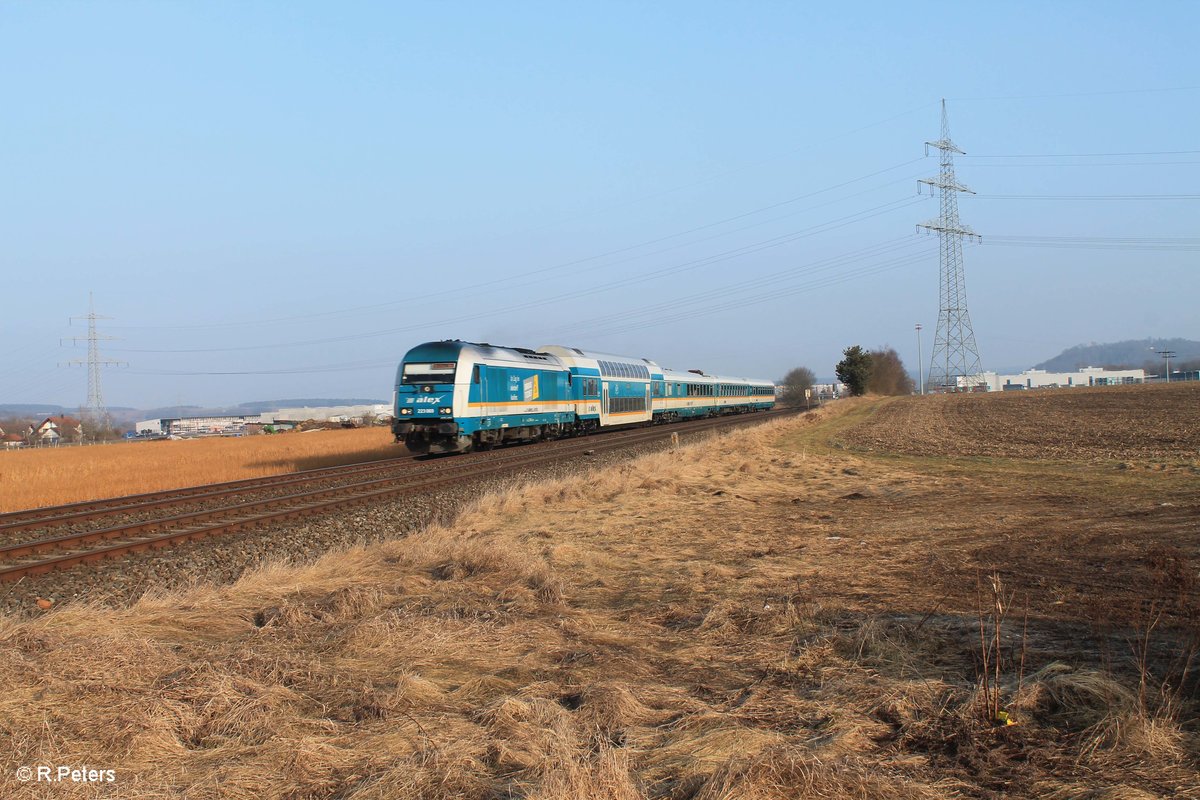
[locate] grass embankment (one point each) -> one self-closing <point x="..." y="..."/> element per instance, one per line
<point x="52" y="476"/>
<point x="769" y="614"/>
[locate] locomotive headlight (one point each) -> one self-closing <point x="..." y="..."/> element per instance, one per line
<point x="406" y="411"/>
<point x="445" y="412"/>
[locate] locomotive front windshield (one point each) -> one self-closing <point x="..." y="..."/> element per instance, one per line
<point x="440" y="372"/>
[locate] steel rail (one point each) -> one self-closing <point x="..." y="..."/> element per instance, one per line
<point x="52" y="516"/>
<point x="132" y="504"/>
<point x="9" y="521"/>
<point x="58" y="516"/>
<point x="253" y="514"/>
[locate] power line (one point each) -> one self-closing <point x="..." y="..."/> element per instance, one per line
<point x="882" y="248"/>
<point x="1010" y="164"/>
<point x="1181" y="244"/>
<point x="744" y="285"/>
<point x="720" y="235"/>
<point x="50" y="383"/>
<point x="479" y="288"/>
<point x="1087" y="196"/>
<point x="812" y="285"/>
<point x="774" y="294"/>
<point x="390" y="363"/>
<point x="742" y="168"/>
<point x="1082" y="94"/>
<point x="644" y="277"/>
<point x="1084" y="155"/>
<point x="1130" y="239"/>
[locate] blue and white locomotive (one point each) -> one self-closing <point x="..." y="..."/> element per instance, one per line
<point x="455" y="396"/>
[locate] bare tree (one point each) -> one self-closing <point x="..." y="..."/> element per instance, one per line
<point x="888" y="375"/>
<point x="794" y="384"/>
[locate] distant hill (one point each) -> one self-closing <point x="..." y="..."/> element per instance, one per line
<point x="168" y="411"/>
<point x="32" y="410"/>
<point x="1130" y="354"/>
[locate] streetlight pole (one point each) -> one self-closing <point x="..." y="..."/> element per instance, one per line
<point x="1167" y="355"/>
<point x="920" y="373"/>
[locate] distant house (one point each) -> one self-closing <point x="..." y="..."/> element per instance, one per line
<point x="57" y="430"/>
<point x="10" y="439"/>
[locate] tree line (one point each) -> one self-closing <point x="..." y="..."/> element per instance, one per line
<point x="878" y="371"/>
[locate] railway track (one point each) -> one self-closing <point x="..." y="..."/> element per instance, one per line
<point x="92" y="509"/>
<point x="111" y="534"/>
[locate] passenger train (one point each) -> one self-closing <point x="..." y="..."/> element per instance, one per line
<point x="454" y="396"/>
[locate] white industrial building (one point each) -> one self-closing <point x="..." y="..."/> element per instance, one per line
<point x="328" y="413"/>
<point x="1041" y="379"/>
<point x="828" y="391"/>
<point x="234" y="424"/>
<point x="195" y="426"/>
<point x="148" y="427"/>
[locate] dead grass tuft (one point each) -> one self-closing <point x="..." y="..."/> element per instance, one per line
<point x="606" y="776"/>
<point x="782" y="772"/>
<point x="1105" y="714"/>
<point x="610" y="707"/>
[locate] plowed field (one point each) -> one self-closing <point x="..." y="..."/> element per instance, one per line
<point x="1109" y="423"/>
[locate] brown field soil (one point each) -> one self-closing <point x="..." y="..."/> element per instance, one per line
<point x="1158" y="422"/>
<point x="776" y="613"/>
<point x="53" y="476"/>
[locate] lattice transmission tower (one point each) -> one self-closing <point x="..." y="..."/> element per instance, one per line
<point x="95" y="409"/>
<point x="954" y="364"/>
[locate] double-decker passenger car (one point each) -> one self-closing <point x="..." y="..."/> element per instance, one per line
<point x="454" y="396"/>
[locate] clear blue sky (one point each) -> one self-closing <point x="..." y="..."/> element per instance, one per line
<point x="279" y="199"/>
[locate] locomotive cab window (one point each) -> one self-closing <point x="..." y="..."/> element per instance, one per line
<point x="441" y="372"/>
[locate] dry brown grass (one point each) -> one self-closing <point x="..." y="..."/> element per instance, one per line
<point x="52" y="476"/>
<point x="742" y="619"/>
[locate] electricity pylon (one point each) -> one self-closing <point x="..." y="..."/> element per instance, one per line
<point x="954" y="364"/>
<point x="95" y="410"/>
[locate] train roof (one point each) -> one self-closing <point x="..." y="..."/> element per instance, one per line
<point x="700" y="376"/>
<point x="452" y="349"/>
<point x="575" y="352"/>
